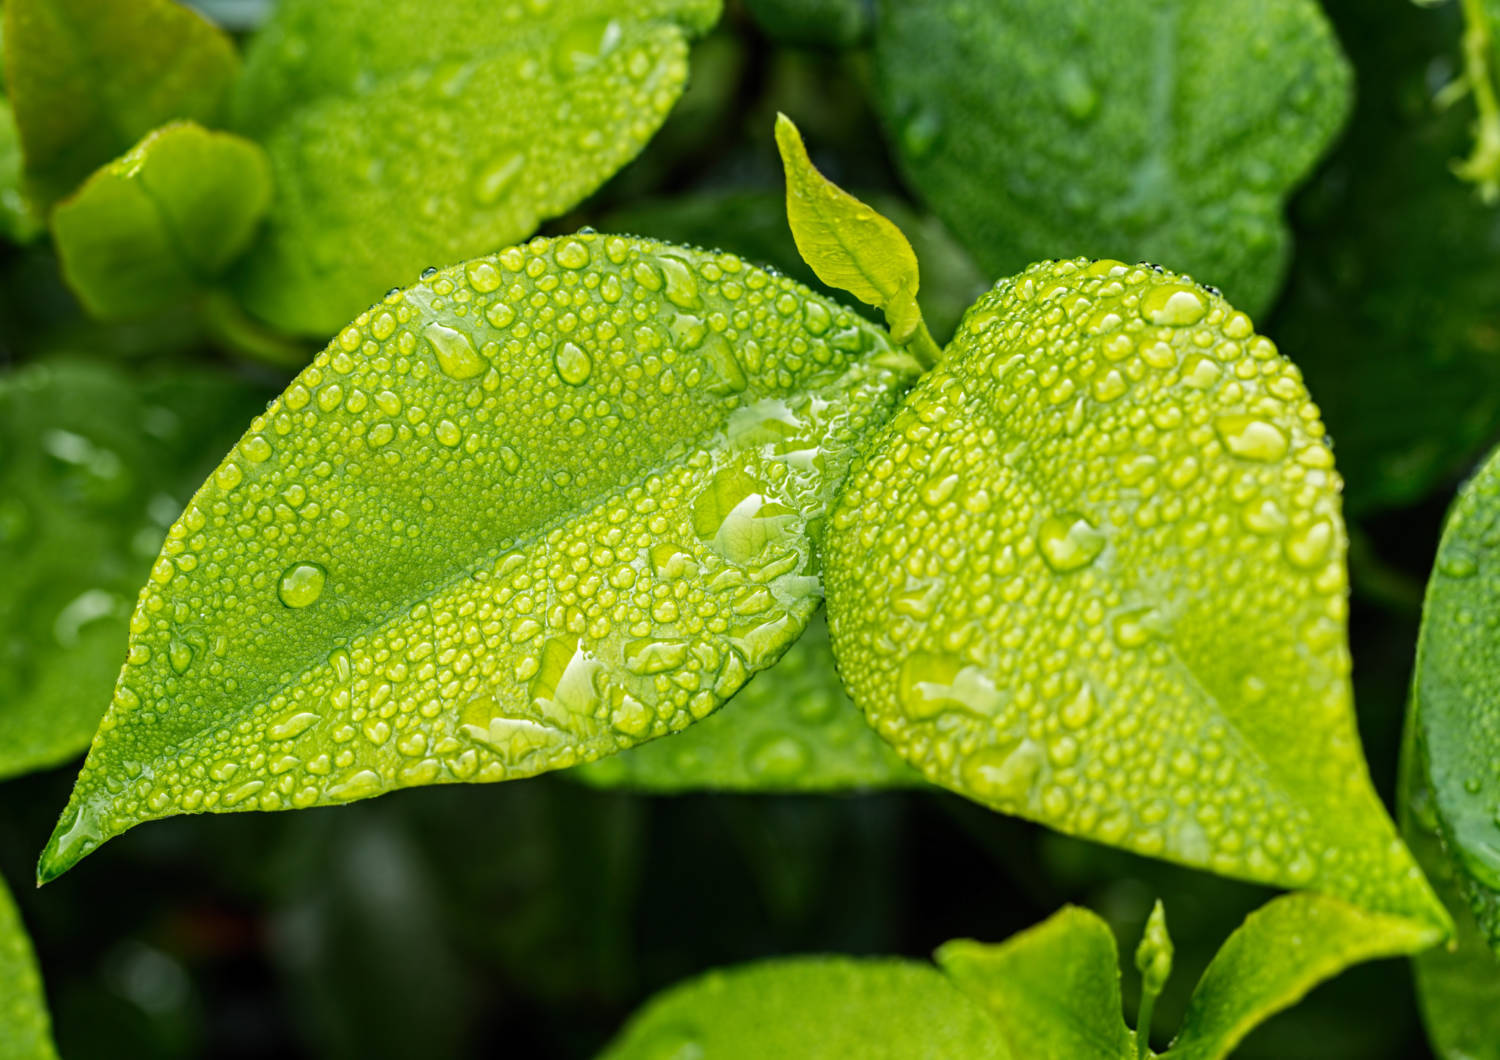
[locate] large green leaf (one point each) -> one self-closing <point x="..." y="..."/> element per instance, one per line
<point x="1168" y="130"/>
<point x="25" y="1029"/>
<point x="18" y="219"/>
<point x="1456" y="693"/>
<point x="1054" y="989"/>
<point x="94" y="466"/>
<point x="162" y="221"/>
<point x="534" y="510"/>
<point x="1143" y="641"/>
<point x="792" y="728"/>
<point x="404" y="134"/>
<point x="813" y="1008"/>
<point x="88" y="78"/>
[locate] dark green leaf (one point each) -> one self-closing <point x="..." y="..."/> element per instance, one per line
<point x="1145" y="644"/>
<point x="25" y="1029"/>
<point x="792" y="728"/>
<point x="814" y="23"/>
<point x="1169" y="131"/>
<point x="404" y="134"/>
<point x="532" y="511"/>
<point x="88" y="78"/>
<point x="162" y="221"/>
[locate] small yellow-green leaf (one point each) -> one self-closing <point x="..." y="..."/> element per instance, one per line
<point x="1054" y="988"/>
<point x="792" y="728"/>
<point x="88" y="78"/>
<point x="162" y="221"/>
<point x="405" y="134"/>
<point x="25" y="1029"/>
<point x="847" y="243"/>
<point x="1281" y="951"/>
<point x="533" y="510"/>
<point x="1143" y="641"/>
<point x="814" y="1008"/>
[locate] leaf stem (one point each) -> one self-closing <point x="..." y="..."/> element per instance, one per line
<point x="923" y="346"/>
<point x="1143" y="1023"/>
<point x="1482" y="167"/>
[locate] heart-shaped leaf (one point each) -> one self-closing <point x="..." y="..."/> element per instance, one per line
<point x="404" y="134"/>
<point x="792" y="728"/>
<point x="534" y="510"/>
<point x="1138" y="130"/>
<point x="1092" y="573"/>
<point x="162" y="221"/>
<point x="88" y="78"/>
<point x="25" y="1029"/>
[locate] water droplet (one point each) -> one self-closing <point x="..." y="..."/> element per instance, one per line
<point x="361" y="785"/>
<point x="1309" y="546"/>
<point x="1458" y="562"/>
<point x="291" y="726"/>
<point x="777" y="759"/>
<point x="921" y="131"/>
<point x="572" y="254"/>
<point x="1078" y="97"/>
<point x="1250" y="438"/>
<point x="179" y="655"/>
<point x="1004" y="775"/>
<point x="301" y="584"/>
<point x="1068" y="542"/>
<point x="581" y="46"/>
<point x="682" y="284"/>
<point x="572" y="363"/>
<point x="496" y="176"/>
<point x="455" y="352"/>
<point x="932" y="684"/>
<point x="1173" y="305"/>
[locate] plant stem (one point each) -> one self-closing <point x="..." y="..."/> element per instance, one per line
<point x="1143" y="1023"/>
<point x="922" y="346"/>
<point x="1483" y="164"/>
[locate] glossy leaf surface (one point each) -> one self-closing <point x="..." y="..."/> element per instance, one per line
<point x="88" y="78"/>
<point x="162" y="221"/>
<point x="94" y="466"/>
<point x="534" y="510"/>
<point x="791" y="728"/>
<point x="1163" y="130"/>
<point x="1054" y="989"/>
<point x="814" y="1008"/>
<point x="406" y="134"/>
<point x="1457" y="693"/>
<point x="1147" y="647"/>
<point x="25" y="1029"/>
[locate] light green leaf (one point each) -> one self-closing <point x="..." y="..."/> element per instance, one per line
<point x="1169" y="131"/>
<point x="1456" y="694"/>
<point x="813" y="1008"/>
<point x="792" y="728"/>
<point x="534" y="510"/>
<point x="1149" y="647"/>
<point x="1458" y="986"/>
<point x="25" y="1029"/>
<point x="94" y="466"/>
<point x="404" y="134"/>
<point x="848" y="245"/>
<point x="1054" y="989"/>
<point x="162" y="221"/>
<point x="19" y="222"/>
<point x="88" y="78"/>
<point x="1281" y="951"/>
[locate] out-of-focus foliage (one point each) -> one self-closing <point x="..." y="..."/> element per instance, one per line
<point x="25" y="1030"/>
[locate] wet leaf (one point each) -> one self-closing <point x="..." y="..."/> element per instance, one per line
<point x="88" y="78"/>
<point x="162" y="221"/>
<point x="1455" y="707"/>
<point x="1168" y="131"/>
<point x="94" y="465"/>
<point x="813" y="1008"/>
<point x="19" y="222"/>
<point x="1281" y="951"/>
<point x="1148" y="646"/>
<point x="1054" y="988"/>
<point x="532" y="511"/>
<point x="25" y="1028"/>
<point x="814" y="23"/>
<point x="792" y="728"/>
<point x="406" y="134"/>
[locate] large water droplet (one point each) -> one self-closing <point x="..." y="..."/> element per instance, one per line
<point x="573" y="364"/>
<point x="455" y="352"/>
<point x="932" y="684"/>
<point x="1173" y="305"/>
<point x="1068" y="542"/>
<point x="301" y="584"/>
<point x="1250" y="438"/>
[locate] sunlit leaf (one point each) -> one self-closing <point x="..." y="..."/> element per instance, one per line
<point x="1144" y="640"/>
<point x="532" y="511"/>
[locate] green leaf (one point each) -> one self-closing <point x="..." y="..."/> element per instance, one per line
<point x="813" y="23"/>
<point x="1281" y="951"/>
<point x="1458" y="986"/>
<point x="19" y="222"/>
<point x="1054" y="989"/>
<point x="1153" y="960"/>
<point x="1148" y="647"/>
<point x="1455" y="707"/>
<point x="849" y="245"/>
<point x="1164" y="131"/>
<point x="813" y="1008"/>
<point x="25" y="1029"/>
<point x="534" y="510"/>
<point x="94" y="465"/>
<point x="404" y="134"/>
<point x="792" y="728"/>
<point x="162" y="221"/>
<point x="88" y="78"/>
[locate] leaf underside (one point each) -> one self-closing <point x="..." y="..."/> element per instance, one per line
<point x="1149" y="647"/>
<point x="531" y="511"/>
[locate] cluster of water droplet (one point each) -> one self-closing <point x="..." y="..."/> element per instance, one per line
<point x="535" y="509"/>
<point x="1093" y="573"/>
